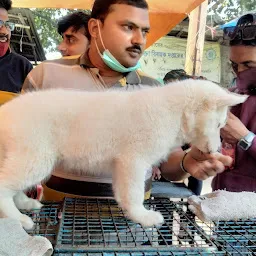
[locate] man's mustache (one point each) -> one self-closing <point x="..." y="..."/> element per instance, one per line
<point x="134" y="47"/>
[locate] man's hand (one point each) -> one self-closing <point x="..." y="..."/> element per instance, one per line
<point x="203" y="166"/>
<point x="234" y="130"/>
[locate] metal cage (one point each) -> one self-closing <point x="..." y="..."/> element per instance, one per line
<point x="46" y="221"/>
<point x="98" y="227"/>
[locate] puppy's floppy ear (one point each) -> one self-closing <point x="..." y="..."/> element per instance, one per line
<point x="230" y="99"/>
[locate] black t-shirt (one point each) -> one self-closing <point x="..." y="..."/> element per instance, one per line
<point x="14" y="68"/>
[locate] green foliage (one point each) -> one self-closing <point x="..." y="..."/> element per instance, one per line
<point x="231" y="9"/>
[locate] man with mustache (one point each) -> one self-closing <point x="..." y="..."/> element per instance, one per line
<point x="118" y="31"/>
<point x="13" y="67"/>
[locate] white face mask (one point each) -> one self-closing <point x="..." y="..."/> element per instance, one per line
<point x="111" y="61"/>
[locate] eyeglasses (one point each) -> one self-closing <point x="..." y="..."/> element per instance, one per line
<point x="9" y="25"/>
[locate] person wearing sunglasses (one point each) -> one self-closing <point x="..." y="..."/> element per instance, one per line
<point x="13" y="67"/>
<point x="239" y="133"/>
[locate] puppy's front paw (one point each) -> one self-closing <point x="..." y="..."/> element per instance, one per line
<point x="152" y="218"/>
<point x="26" y="222"/>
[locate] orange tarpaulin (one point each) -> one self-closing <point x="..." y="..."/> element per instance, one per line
<point x="164" y="14"/>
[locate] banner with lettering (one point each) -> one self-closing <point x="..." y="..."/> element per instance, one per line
<point x="170" y="52"/>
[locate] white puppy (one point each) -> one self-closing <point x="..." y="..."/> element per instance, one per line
<point x="123" y="133"/>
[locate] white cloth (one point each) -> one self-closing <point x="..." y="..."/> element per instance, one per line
<point x="14" y="241"/>
<point x="223" y="205"/>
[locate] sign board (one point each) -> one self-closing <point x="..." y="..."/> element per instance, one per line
<point x="170" y="52"/>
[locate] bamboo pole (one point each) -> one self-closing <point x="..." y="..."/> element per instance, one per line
<point x="195" y="41"/>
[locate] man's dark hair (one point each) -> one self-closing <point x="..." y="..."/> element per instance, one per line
<point x="176" y="74"/>
<point x="180" y="74"/>
<point x="245" y="22"/>
<point x="76" y="20"/>
<point x="6" y="4"/>
<point x="101" y="8"/>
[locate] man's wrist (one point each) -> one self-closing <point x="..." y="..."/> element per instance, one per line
<point x="182" y="166"/>
<point x="242" y="134"/>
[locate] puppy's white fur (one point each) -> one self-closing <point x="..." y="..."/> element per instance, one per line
<point x="123" y="133"/>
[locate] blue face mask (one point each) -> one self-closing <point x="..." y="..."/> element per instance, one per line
<point x="111" y="61"/>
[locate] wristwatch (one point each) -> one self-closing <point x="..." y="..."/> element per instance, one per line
<point x="246" y="141"/>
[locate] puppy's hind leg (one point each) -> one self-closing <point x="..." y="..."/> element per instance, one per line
<point x="9" y="210"/>
<point x="19" y="172"/>
<point x="128" y="186"/>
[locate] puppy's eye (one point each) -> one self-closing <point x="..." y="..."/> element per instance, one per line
<point x="218" y="125"/>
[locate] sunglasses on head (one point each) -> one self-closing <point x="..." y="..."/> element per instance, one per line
<point x="9" y="25"/>
<point x="243" y="32"/>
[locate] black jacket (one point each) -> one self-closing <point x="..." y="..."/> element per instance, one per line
<point x="13" y="70"/>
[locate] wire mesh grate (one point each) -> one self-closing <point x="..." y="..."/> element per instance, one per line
<point x="236" y="237"/>
<point x="46" y="221"/>
<point x="98" y="227"/>
<point x="91" y="224"/>
<point x="142" y="254"/>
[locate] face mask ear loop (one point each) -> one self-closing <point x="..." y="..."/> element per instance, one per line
<point x="100" y="35"/>
<point x="98" y="48"/>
